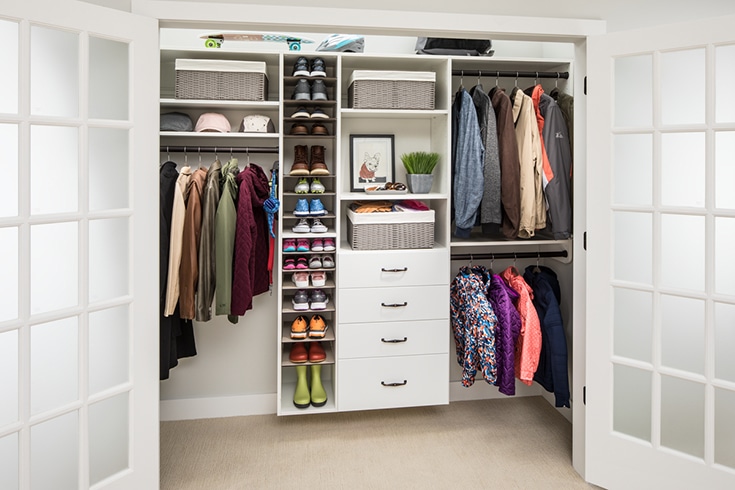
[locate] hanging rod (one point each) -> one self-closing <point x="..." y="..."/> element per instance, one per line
<point x="510" y="255"/>
<point x="564" y="75"/>
<point x="223" y="149"/>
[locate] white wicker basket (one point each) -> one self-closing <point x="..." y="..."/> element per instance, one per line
<point x="371" y="89"/>
<point x="390" y="231"/>
<point x="221" y="80"/>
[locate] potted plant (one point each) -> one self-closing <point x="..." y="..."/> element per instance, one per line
<point x="419" y="165"/>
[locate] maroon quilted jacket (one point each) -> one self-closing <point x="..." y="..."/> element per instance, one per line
<point x="250" y="263"/>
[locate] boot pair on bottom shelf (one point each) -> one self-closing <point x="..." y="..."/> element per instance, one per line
<point x="303" y="396"/>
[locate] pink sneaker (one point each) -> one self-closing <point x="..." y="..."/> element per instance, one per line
<point x="289" y="264"/>
<point x="301" y="263"/>
<point x="317" y="245"/>
<point x="329" y="245"/>
<point x="289" y="245"/>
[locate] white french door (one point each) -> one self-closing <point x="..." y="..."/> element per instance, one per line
<point x="78" y="247"/>
<point x="661" y="267"/>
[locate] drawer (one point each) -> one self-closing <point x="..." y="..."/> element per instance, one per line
<point x="393" y="339"/>
<point x="393" y="304"/>
<point x="393" y="268"/>
<point x="392" y="382"/>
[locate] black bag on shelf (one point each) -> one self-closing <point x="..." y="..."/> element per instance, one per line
<point x="448" y="46"/>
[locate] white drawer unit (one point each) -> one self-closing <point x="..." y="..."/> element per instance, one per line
<point x="395" y="268"/>
<point x="393" y="304"/>
<point x="392" y="382"/>
<point x="393" y="339"/>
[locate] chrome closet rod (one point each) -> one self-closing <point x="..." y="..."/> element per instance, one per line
<point x="218" y="149"/>
<point x="510" y="255"/>
<point x="564" y="75"/>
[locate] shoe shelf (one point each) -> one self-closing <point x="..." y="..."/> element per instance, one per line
<point x="289" y="309"/>
<point x="293" y="216"/>
<point x="291" y="80"/>
<point x="307" y="120"/>
<point x="288" y="408"/>
<point x="286" y="336"/>
<point x="309" y="103"/>
<point x="309" y="136"/>
<point x="286" y="349"/>
<point x="289" y="286"/>
<point x="308" y="196"/>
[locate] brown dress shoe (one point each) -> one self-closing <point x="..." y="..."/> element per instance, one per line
<point x="298" y="353"/>
<point x="300" y="165"/>
<point x="316" y="352"/>
<point x="318" y="167"/>
<point x="319" y="129"/>
<point x="299" y="128"/>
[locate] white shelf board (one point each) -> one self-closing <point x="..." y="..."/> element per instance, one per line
<point x="218" y="104"/>
<point x="392" y="113"/>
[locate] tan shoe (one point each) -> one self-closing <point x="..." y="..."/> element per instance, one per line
<point x="299" y="328"/>
<point x="317" y="327"/>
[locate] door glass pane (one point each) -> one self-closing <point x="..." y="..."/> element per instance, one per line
<point x="108" y="258"/>
<point x="108" y="168"/>
<point x="54" y="364"/>
<point x="54" y="72"/>
<point x="55" y="453"/>
<point x="724" y="256"/>
<point x="673" y="109"/>
<point x="724" y="341"/>
<point x="58" y="290"/>
<point x="682" y="169"/>
<point x="633" y="320"/>
<point x="633" y="163"/>
<point x="9" y="62"/>
<point x="633" y="247"/>
<point x="682" y="333"/>
<point x="8" y="379"/>
<point x="724" y="427"/>
<point x="108" y="437"/>
<point x="632" y="401"/>
<point x="108" y="79"/>
<point x="9" y="276"/>
<point x="682" y="415"/>
<point x="634" y="89"/>
<point x="9" y="164"/>
<point x="108" y="348"/>
<point x="724" y="169"/>
<point x="682" y="251"/>
<point x="54" y="169"/>
<point x="724" y="75"/>
<point x="9" y="461"/>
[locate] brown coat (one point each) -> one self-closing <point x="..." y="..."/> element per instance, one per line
<point x="510" y="164"/>
<point x="189" y="269"/>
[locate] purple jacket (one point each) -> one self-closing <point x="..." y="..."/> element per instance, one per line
<point x="502" y="298"/>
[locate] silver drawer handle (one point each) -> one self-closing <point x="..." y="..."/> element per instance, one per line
<point x="403" y="269"/>
<point x="395" y="305"/>
<point x="394" y="341"/>
<point x="394" y="384"/>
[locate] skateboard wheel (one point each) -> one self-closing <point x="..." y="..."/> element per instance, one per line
<point x="211" y="43"/>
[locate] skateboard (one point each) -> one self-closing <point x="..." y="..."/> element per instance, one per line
<point x="216" y="40"/>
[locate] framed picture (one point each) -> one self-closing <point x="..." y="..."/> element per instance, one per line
<point x="371" y="160"/>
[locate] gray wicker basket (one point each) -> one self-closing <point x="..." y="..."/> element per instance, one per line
<point x="369" y="91"/>
<point x="390" y="231"/>
<point x="220" y="84"/>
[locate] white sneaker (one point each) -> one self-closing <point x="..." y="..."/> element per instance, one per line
<point x="302" y="226"/>
<point x="317" y="226"/>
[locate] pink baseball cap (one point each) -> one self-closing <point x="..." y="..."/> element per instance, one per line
<point x="213" y="122"/>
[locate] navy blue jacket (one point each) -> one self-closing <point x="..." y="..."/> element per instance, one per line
<point x="552" y="367"/>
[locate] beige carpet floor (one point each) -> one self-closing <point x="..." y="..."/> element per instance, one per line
<point x="514" y="443"/>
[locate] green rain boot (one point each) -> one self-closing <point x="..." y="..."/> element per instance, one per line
<point x="318" y="395"/>
<point x="301" y="394"/>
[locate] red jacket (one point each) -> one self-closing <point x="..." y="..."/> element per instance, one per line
<point x="250" y="264"/>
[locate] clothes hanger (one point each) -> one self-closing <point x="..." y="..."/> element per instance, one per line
<point x="537" y="269"/>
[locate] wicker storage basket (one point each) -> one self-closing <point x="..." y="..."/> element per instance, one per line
<point x="370" y="89"/>
<point x="390" y="231"/>
<point x="221" y="80"/>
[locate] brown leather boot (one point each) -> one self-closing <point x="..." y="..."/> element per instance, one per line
<point x="318" y="167"/>
<point x="300" y="166"/>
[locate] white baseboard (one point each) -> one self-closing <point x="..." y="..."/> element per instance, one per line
<point x="217" y="407"/>
<point x="265" y="404"/>
<point x="483" y="391"/>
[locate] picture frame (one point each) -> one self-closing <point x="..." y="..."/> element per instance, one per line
<point x="372" y="160"/>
